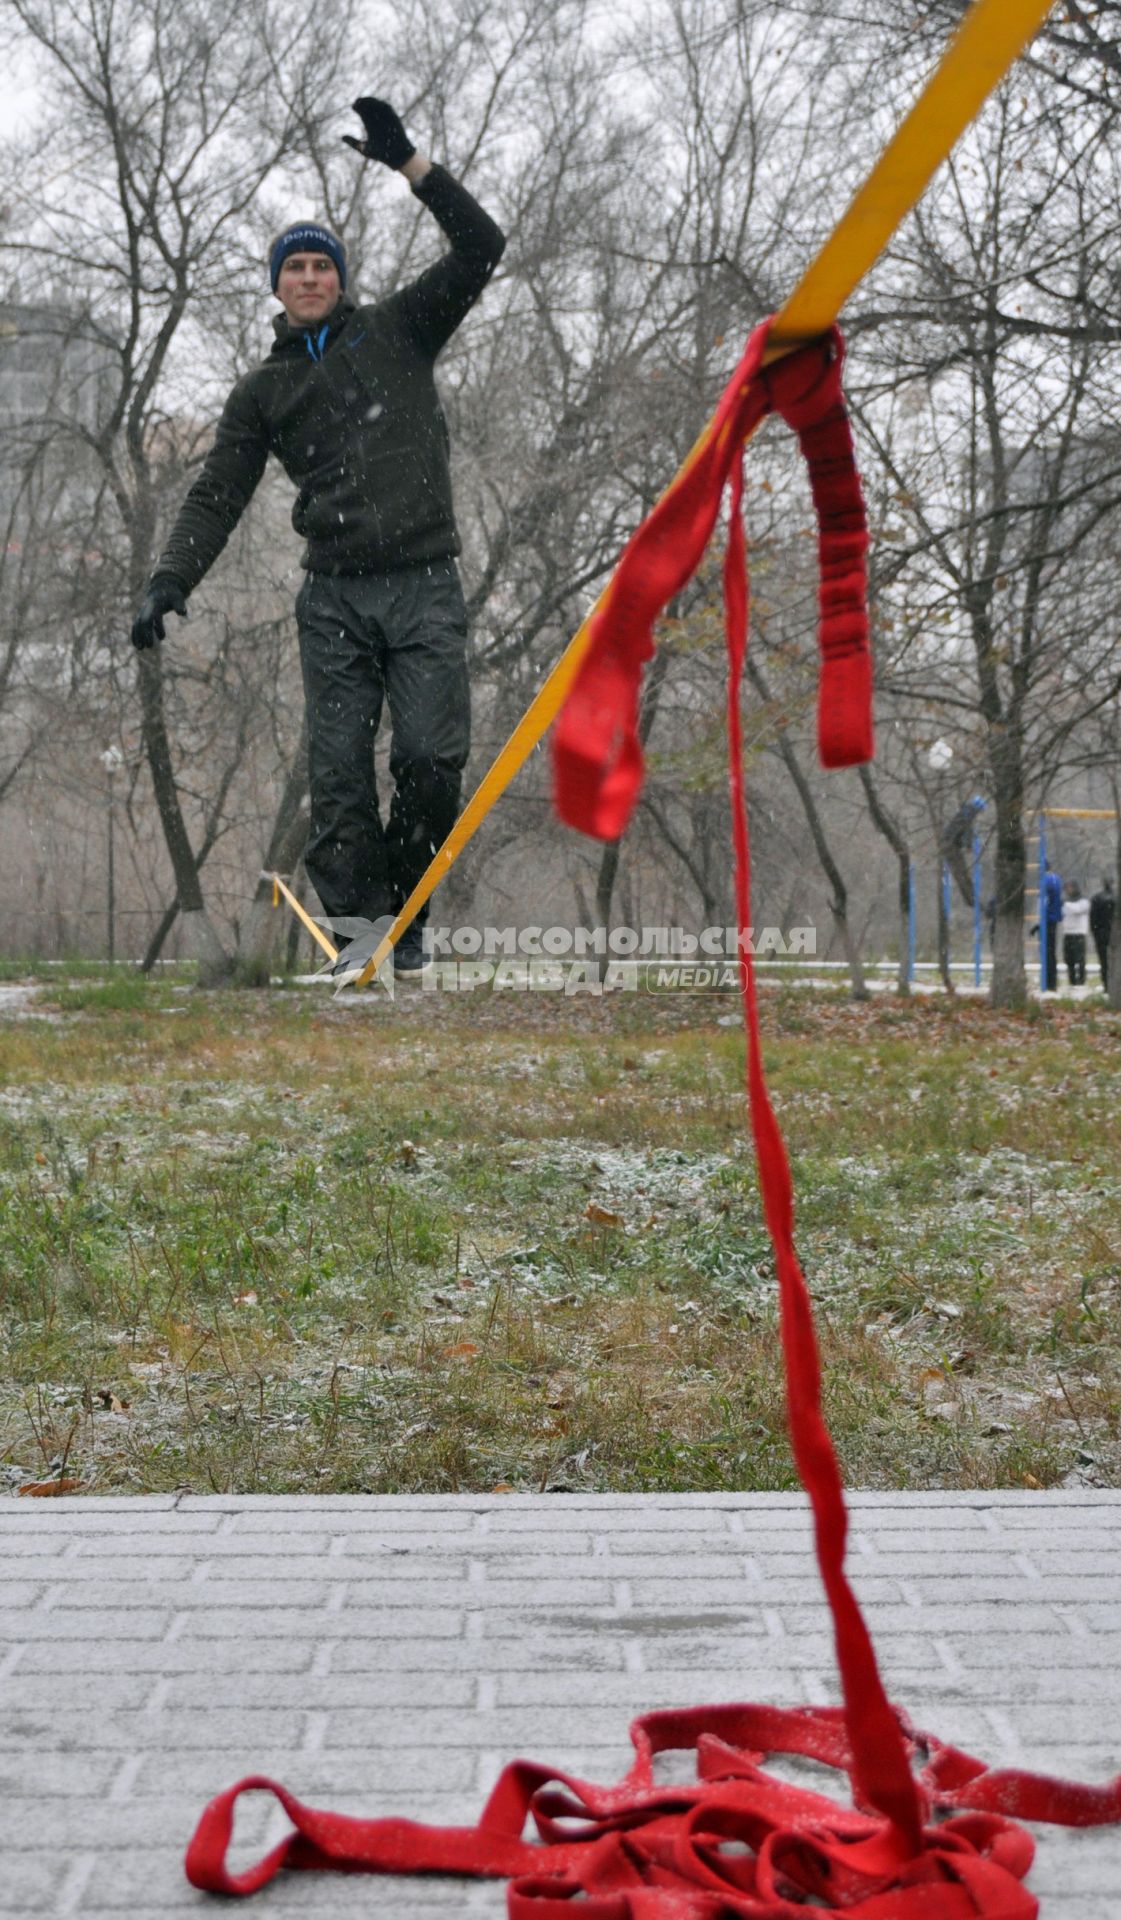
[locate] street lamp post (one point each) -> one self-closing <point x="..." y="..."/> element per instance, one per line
<point x="112" y="760"/>
<point x="939" y="759"/>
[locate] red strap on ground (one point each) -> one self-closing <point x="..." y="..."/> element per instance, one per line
<point x="929" y="1841"/>
<point x="734" y="1844"/>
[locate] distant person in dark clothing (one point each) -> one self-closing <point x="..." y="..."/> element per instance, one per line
<point x="348" y="404"/>
<point x="1101" y="926"/>
<point x="1076" y="925"/>
<point x="1051" y="914"/>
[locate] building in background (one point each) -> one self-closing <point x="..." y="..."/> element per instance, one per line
<point x="55" y="394"/>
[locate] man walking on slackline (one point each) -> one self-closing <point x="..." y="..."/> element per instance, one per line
<point x="348" y="403"/>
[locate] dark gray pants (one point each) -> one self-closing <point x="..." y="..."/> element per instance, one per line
<point x="366" y="638"/>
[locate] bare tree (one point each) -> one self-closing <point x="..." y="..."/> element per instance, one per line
<point x="1006" y="467"/>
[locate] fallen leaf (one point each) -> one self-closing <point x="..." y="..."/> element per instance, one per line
<point x="110" y="1402"/>
<point x="1029" y="1480"/>
<point x="462" y="1350"/>
<point x="935" y="1405"/>
<point x="46" y="1489"/>
<point x="601" y="1216"/>
<point x="503" y="1487"/>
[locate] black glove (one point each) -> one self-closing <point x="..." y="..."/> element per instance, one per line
<point x="386" y="139"/>
<point x="164" y="596"/>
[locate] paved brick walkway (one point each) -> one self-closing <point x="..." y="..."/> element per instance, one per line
<point x="390" y="1654"/>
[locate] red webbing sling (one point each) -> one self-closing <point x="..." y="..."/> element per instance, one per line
<point x="597" y="759"/>
<point x="936" y="1841"/>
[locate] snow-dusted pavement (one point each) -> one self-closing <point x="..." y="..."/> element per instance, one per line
<point x="389" y="1654"/>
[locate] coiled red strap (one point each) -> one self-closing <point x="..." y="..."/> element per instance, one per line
<point x="640" y="1851"/>
<point x="597" y="758"/>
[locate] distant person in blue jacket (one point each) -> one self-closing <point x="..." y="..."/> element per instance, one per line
<point x="1051" y="913"/>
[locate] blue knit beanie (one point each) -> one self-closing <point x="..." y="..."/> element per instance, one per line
<point x="305" y="238"/>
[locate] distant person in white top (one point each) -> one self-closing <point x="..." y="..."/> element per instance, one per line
<point x="1076" y="925"/>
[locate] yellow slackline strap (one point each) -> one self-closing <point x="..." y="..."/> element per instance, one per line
<point x="989" y="39"/>
<point x="1079" y="813"/>
<point x="315" y="931"/>
<point x="991" y="36"/>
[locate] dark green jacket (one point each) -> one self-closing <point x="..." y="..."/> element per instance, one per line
<point x="351" y="411"/>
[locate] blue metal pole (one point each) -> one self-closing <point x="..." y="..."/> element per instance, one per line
<point x="910" y="922"/>
<point x="1042" y="906"/>
<point x="976" y="908"/>
<point x="947" y="900"/>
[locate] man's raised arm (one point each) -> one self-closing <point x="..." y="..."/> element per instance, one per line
<point x="434" y="304"/>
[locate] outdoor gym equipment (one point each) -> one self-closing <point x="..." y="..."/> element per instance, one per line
<point x="1056" y="813"/>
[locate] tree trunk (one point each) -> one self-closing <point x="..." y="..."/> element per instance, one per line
<point x="839" y="904"/>
<point x="296" y="925"/>
<point x="262" y="927"/>
<point x="1009" y="985"/>
<point x="202" y="941"/>
<point x="203" y="945"/>
<point x="209" y="840"/>
<point x="286" y="843"/>
<point x="893" y="834"/>
<point x="1113" y="951"/>
<point x="944" y="933"/>
<point x="609" y="860"/>
<point x="155" y="944"/>
<point x="605" y="881"/>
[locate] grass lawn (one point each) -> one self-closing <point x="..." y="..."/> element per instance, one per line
<point x="258" y="1242"/>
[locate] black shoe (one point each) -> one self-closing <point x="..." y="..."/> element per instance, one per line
<point x="411" y="955"/>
